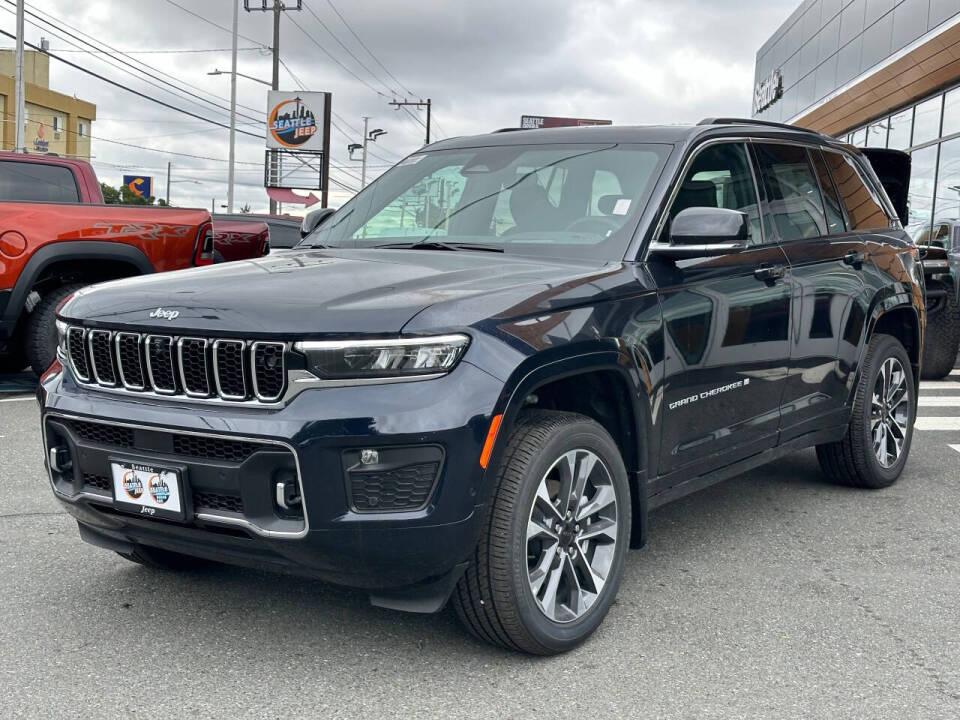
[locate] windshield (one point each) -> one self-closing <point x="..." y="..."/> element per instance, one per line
<point x="580" y="201"/>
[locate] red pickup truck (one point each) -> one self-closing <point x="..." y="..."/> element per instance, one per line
<point x="56" y="236"/>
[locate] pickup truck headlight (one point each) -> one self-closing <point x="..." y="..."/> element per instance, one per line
<point x="378" y="359"/>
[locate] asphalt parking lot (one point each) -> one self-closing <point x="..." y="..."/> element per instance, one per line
<point x="773" y="595"/>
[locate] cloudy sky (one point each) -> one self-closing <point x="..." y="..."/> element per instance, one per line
<point x="483" y="63"/>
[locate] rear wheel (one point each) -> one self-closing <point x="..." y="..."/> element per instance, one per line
<point x="40" y="333"/>
<point x="164" y="559"/>
<point x="942" y="339"/>
<point x="877" y="442"/>
<point x="549" y="561"/>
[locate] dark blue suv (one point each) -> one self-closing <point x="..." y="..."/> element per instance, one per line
<point x="476" y="378"/>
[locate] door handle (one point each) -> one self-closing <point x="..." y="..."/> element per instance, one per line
<point x="854" y="258"/>
<point x="770" y="273"/>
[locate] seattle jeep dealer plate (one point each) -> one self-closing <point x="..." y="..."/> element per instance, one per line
<point x="148" y="490"/>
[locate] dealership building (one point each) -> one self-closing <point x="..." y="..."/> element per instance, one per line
<point x="54" y="122"/>
<point x="876" y="73"/>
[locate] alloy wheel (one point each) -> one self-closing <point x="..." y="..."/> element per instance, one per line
<point x="571" y="535"/>
<point x="890" y="412"/>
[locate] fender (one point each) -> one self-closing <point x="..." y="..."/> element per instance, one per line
<point x="882" y="306"/>
<point x="58" y="252"/>
<point x="600" y="355"/>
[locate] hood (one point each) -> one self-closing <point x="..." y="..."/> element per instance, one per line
<point x="314" y="292"/>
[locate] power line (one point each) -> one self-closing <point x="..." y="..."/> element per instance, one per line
<point x="126" y="67"/>
<point x="129" y="89"/>
<point x="173" y="51"/>
<point x="369" y="51"/>
<point x="217" y="25"/>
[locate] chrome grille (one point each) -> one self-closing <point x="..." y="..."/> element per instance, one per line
<point x="194" y="367"/>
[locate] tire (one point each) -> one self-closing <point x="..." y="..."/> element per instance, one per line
<point x="40" y="333"/>
<point x="942" y="339"/>
<point x="496" y="599"/>
<point x="855" y="460"/>
<point x="165" y="559"/>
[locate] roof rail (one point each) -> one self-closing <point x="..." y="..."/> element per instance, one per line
<point x="509" y="129"/>
<point x="751" y="121"/>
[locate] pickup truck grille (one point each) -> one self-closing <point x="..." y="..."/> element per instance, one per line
<point x="190" y="367"/>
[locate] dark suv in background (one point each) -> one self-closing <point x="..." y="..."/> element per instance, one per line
<point x="477" y="378"/>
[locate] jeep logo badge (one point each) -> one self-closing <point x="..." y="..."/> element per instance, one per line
<point x="165" y="314"/>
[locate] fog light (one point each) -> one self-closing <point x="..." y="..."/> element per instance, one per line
<point x="369" y="457"/>
<point x="60" y="459"/>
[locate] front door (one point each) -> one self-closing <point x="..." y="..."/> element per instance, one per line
<point x="726" y="322"/>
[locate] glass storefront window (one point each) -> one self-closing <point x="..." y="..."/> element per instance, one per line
<point x="922" y="175"/>
<point x="951" y="112"/>
<point x="877" y="135"/>
<point x="859" y="138"/>
<point x="901" y="126"/>
<point x="948" y="181"/>
<point x="926" y="123"/>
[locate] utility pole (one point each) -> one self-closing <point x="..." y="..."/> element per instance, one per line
<point x="278" y="7"/>
<point x="20" y="143"/>
<point x="233" y="108"/>
<point x="168" y="184"/>
<point x="363" y="160"/>
<point x="428" y="104"/>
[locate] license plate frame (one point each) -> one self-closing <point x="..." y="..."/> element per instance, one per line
<point x="155" y="490"/>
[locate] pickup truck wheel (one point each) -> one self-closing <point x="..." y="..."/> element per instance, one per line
<point x="40" y="333"/>
<point x="877" y="442"/>
<point x="551" y="554"/>
<point x="159" y="559"/>
<point x="942" y="339"/>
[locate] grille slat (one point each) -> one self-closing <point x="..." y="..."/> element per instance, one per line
<point x="269" y="377"/>
<point x="129" y="361"/>
<point x="77" y="347"/>
<point x="195" y="367"/>
<point x="101" y="357"/>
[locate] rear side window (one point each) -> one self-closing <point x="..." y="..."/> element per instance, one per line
<point x="793" y="203"/>
<point x="37" y="182"/>
<point x="831" y="201"/>
<point x="864" y="211"/>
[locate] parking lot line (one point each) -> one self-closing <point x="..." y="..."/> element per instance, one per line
<point x="939" y="401"/>
<point x="956" y="447"/>
<point x="939" y="385"/>
<point x="937" y="423"/>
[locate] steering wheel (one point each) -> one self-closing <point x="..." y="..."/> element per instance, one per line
<point x="601" y="220"/>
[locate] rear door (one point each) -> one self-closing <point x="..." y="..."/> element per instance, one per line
<point x="805" y="214"/>
<point x="726" y="334"/>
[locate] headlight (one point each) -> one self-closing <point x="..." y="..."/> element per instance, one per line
<point x="377" y="359"/>
<point x="62" y="337"/>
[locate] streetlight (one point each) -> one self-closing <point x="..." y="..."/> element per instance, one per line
<point x="368" y="136"/>
<point x="233" y="108"/>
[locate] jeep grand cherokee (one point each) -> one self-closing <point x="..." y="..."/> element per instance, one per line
<point x="476" y="379"/>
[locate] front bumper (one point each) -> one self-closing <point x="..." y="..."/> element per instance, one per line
<point x="311" y="440"/>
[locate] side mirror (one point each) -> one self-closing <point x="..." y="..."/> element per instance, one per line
<point x="313" y="220"/>
<point x="704" y="231"/>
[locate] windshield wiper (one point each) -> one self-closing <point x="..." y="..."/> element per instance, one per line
<point x="441" y="245"/>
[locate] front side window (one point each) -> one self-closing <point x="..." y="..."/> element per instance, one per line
<point x="794" y="204"/>
<point x="862" y="205"/>
<point x="37" y="182"/>
<point x="720" y="177"/>
<point x="570" y="200"/>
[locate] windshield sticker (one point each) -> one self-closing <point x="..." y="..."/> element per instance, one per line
<point x="622" y="206"/>
<point x="412" y="160"/>
<point x="709" y="393"/>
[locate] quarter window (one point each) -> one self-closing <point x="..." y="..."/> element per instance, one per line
<point x="831" y="201"/>
<point x="863" y="207"/>
<point x="794" y="204"/>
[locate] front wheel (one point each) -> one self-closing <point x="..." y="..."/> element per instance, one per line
<point x="877" y="442"/>
<point x="551" y="555"/>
